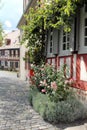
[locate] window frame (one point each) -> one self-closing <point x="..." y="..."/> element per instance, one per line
<point x="50" y="43"/>
<point x="16" y="64"/>
<point x="65" y="41"/>
<point x="85" y="32"/>
<point x="64" y="52"/>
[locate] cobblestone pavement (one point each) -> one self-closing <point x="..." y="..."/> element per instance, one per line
<point x="15" y="111"/>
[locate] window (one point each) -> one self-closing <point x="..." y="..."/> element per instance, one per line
<point x="14" y="54"/>
<point x="11" y="64"/>
<point x="16" y="64"/>
<point x="18" y="52"/>
<point x="6" y="63"/>
<point x="85" y="32"/>
<point x="66" y="41"/>
<point x="10" y="52"/>
<point x="86" y="8"/>
<point x="8" y="41"/>
<point x="85" y="25"/>
<point x="51" y="41"/>
<point x="2" y="52"/>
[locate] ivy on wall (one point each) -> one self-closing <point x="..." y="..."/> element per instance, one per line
<point x="52" y="14"/>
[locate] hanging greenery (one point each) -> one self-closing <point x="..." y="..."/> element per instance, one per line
<point x="34" y="33"/>
<point x="52" y="14"/>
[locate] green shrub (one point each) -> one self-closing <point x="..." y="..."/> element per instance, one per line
<point x="38" y="100"/>
<point x="62" y="111"/>
<point x="65" y="111"/>
<point x="52" y="82"/>
<point x="39" y="103"/>
<point x="49" y="112"/>
<point x="32" y="92"/>
<point x="52" y="97"/>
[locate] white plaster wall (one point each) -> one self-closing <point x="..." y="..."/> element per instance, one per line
<point x="49" y="61"/>
<point x="61" y="62"/>
<point x="83" y="73"/>
<point x="53" y="62"/>
<point x="68" y="69"/>
<point x="22" y="63"/>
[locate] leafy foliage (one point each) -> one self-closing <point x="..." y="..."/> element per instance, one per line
<point x="52" y="82"/>
<point x="62" y="111"/>
<point x="51" y="96"/>
<point x="34" y="32"/>
<point x="65" y="111"/>
<point x="52" y="14"/>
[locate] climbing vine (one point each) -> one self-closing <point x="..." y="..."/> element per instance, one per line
<point x="52" y="14"/>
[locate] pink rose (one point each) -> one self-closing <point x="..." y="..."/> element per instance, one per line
<point x="43" y="90"/>
<point x="54" y="85"/>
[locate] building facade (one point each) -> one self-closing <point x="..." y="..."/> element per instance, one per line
<point x="70" y="49"/>
<point x="24" y="64"/>
<point x="10" y="52"/>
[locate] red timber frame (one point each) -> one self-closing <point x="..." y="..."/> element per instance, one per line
<point x="79" y="84"/>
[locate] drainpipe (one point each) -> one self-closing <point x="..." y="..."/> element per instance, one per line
<point x="75" y="37"/>
<point x="75" y="29"/>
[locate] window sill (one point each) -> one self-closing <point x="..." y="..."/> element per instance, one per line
<point x="65" y="53"/>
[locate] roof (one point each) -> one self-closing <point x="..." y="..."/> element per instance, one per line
<point x="14" y="36"/>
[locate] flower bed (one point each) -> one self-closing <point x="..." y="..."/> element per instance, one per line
<point x="51" y="95"/>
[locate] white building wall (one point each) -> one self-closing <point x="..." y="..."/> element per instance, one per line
<point x="61" y="62"/>
<point x="68" y="69"/>
<point x="83" y="75"/>
<point x="74" y="66"/>
<point x="22" y="63"/>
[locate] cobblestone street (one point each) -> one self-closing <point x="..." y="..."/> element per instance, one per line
<point x="15" y="111"/>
